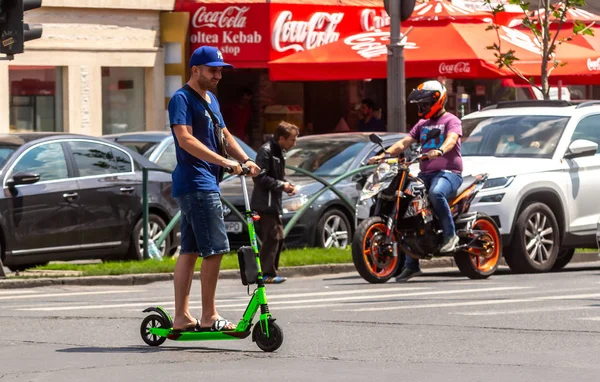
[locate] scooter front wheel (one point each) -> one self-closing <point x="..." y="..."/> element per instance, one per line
<point x="153" y="321"/>
<point x="270" y="343"/>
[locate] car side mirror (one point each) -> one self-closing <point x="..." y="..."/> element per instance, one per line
<point x="23" y="178"/>
<point x="581" y="148"/>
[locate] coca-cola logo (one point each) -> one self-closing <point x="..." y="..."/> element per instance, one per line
<point x="593" y="65"/>
<point x="374" y="44"/>
<point x="230" y="17"/>
<point x="305" y="35"/>
<point x="459" y="67"/>
<point x="370" y="21"/>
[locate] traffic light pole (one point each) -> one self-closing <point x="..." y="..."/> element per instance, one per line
<point x="396" y="84"/>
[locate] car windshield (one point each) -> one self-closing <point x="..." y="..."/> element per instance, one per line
<point x="5" y="153"/>
<point x="527" y="136"/>
<point x="323" y="158"/>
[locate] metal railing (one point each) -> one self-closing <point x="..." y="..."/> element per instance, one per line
<point x="327" y="186"/>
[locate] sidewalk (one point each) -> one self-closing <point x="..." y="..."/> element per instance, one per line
<point x="48" y="278"/>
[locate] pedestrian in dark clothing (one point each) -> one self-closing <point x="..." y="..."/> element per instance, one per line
<point x="269" y="186"/>
<point x="369" y="123"/>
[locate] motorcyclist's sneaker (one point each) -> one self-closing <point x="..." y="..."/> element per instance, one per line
<point x="449" y="244"/>
<point x="407" y="274"/>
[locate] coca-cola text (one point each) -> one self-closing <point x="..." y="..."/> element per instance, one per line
<point x="305" y="35"/>
<point x="230" y="17"/>
<point x="370" y="21"/>
<point x="593" y="65"/>
<point x="459" y="67"/>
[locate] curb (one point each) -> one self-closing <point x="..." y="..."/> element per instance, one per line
<point x="300" y="271"/>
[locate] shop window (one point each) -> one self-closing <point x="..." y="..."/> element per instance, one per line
<point x="123" y="100"/>
<point x="36" y="98"/>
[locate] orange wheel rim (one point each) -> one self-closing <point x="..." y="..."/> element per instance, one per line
<point x="487" y="263"/>
<point x="370" y="252"/>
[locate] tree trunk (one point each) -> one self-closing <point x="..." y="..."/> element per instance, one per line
<point x="545" y="47"/>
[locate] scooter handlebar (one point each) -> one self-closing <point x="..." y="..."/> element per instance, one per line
<point x="245" y="170"/>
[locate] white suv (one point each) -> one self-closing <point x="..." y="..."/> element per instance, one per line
<point x="543" y="190"/>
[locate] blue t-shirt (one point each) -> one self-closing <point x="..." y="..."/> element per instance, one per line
<point x="192" y="174"/>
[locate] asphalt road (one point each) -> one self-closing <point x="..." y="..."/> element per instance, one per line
<point x="440" y="327"/>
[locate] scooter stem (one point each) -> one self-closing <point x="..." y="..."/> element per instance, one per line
<point x="245" y="192"/>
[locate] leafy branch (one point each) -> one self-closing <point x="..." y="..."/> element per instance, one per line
<point x="538" y="22"/>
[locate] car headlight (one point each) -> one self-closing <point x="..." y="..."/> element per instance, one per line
<point x="294" y="204"/>
<point x="498" y="182"/>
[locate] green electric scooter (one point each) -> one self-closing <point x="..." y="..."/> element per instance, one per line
<point x="158" y="326"/>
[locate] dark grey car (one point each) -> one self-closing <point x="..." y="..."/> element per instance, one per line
<point x="70" y="197"/>
<point x="328" y="222"/>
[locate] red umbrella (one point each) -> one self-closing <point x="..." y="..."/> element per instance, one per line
<point x="364" y="55"/>
<point x="435" y="10"/>
<point x="427" y="55"/>
<point x="572" y="15"/>
<point x="581" y="64"/>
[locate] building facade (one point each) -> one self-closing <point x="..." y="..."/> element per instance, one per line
<point x="98" y="69"/>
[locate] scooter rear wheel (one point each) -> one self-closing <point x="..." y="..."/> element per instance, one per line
<point x="273" y="342"/>
<point x="153" y="321"/>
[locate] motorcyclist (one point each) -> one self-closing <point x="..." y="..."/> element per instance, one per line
<point x="442" y="173"/>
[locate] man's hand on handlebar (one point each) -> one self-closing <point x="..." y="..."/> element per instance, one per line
<point x="377" y="158"/>
<point x="254" y="169"/>
<point x="233" y="167"/>
<point x="431" y="154"/>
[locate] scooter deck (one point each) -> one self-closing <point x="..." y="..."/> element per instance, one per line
<point x="199" y="336"/>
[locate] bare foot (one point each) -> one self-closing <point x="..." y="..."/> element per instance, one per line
<point x="183" y="323"/>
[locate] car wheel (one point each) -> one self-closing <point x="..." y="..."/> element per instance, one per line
<point x="333" y="230"/>
<point x="564" y="257"/>
<point x="535" y="244"/>
<point x="155" y="229"/>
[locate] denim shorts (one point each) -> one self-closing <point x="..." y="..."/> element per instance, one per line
<point x="202" y="225"/>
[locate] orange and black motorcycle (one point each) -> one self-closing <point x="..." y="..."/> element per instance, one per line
<point x="402" y="222"/>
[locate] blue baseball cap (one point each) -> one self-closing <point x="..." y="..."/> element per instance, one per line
<point x="209" y="56"/>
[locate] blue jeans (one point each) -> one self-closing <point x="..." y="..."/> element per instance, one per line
<point x="202" y="225"/>
<point x="442" y="185"/>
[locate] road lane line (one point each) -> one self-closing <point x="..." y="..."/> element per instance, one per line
<point x="474" y="303"/>
<point x="68" y="294"/>
<point x="287" y="301"/>
<point x="522" y="311"/>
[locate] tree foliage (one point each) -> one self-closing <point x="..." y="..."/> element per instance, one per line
<point x="538" y="16"/>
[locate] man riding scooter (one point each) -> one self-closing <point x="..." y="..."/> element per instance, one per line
<point x="442" y="172"/>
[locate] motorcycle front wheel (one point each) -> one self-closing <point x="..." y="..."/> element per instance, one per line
<point x="372" y="266"/>
<point x="482" y="262"/>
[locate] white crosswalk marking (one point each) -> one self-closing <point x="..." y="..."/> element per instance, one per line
<point x="46" y="295"/>
<point x="15" y="291"/>
<point x="522" y="311"/>
<point x="284" y="299"/>
<point x="474" y="303"/>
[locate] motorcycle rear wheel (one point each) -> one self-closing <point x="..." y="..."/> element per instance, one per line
<point x="372" y="266"/>
<point x="475" y="266"/>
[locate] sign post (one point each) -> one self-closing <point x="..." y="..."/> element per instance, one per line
<point x="399" y="10"/>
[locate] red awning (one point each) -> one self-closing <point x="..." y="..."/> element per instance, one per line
<point x="572" y="15"/>
<point x="365" y="56"/>
<point x="435" y="10"/>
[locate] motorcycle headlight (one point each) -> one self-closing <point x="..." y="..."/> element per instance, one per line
<point x="498" y="182"/>
<point x="294" y="204"/>
<point x="380" y="179"/>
